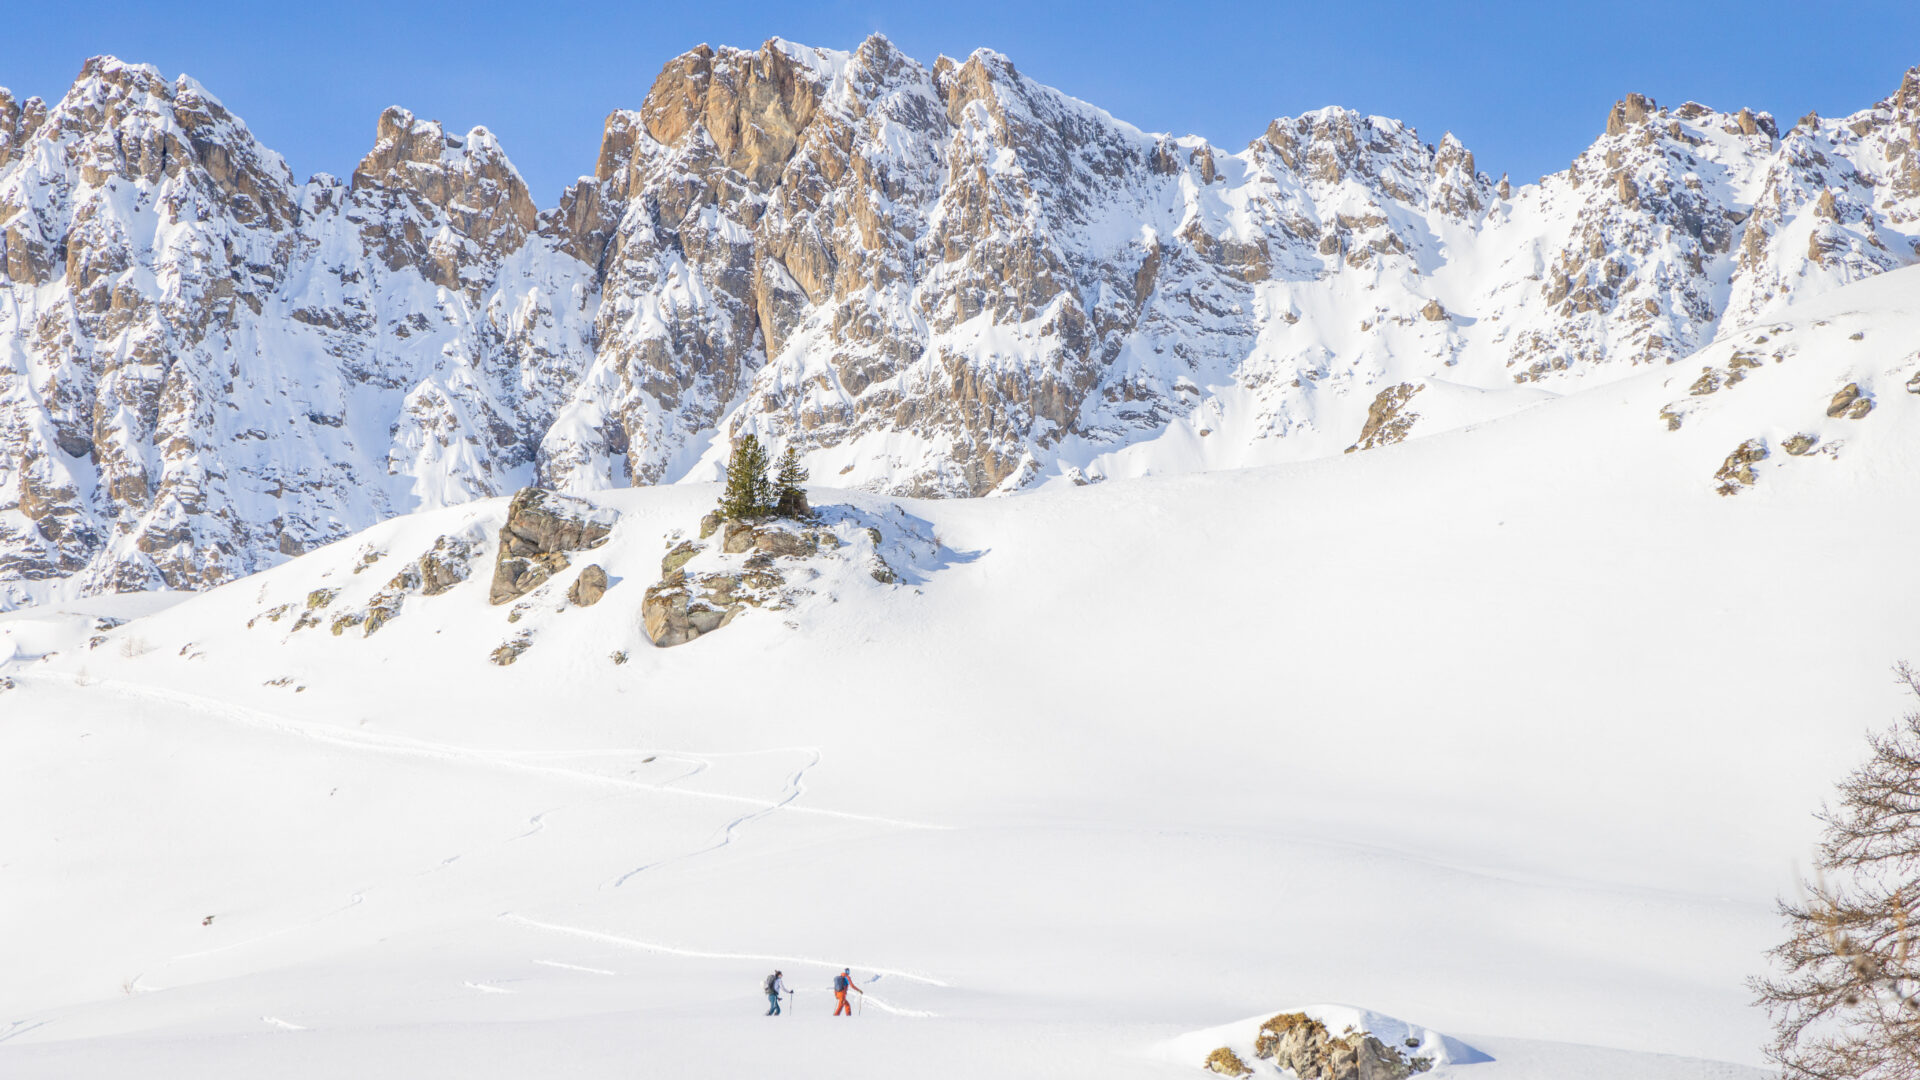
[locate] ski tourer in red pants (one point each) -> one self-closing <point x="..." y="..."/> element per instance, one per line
<point x="842" y="983"/>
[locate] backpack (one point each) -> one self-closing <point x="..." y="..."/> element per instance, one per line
<point x="767" y="987"/>
<point x="840" y="984"/>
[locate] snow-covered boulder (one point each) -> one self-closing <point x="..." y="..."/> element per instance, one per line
<point x="1321" y="1042"/>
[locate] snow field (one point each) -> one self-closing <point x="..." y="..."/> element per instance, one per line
<point x="1513" y="733"/>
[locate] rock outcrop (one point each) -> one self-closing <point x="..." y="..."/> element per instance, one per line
<point x="1297" y="1042"/>
<point x="447" y="565"/>
<point x="1850" y="402"/>
<point x="1388" y="418"/>
<point x="438" y="569"/>
<point x="541" y="528"/>
<point x="687" y="604"/>
<point x="1737" y="471"/>
<point x="589" y="587"/>
<point x="766" y="563"/>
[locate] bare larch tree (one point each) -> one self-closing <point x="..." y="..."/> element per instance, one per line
<point x="1846" y="1000"/>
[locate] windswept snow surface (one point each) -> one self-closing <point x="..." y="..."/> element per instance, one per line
<point x="1513" y="733"/>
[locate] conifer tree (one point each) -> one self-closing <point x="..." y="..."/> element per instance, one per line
<point x="790" y="499"/>
<point x="747" y="492"/>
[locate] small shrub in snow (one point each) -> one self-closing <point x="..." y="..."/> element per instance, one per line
<point x="1227" y="1063"/>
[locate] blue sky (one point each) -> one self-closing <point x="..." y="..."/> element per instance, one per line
<point x="1526" y="86"/>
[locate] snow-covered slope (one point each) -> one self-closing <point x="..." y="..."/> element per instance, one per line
<point x="1512" y="733"/>
<point x="944" y="280"/>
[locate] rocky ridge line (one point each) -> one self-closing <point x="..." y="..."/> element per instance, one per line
<point x="933" y="280"/>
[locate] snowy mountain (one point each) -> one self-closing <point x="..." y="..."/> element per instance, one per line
<point x="1512" y="732"/>
<point x="931" y="281"/>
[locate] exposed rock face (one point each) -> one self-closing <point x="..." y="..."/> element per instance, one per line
<point x="1850" y="402"/>
<point x="436" y="570"/>
<point x="510" y="650"/>
<point x="935" y="280"/>
<point x="418" y="177"/>
<point x="190" y="326"/>
<point x="778" y="541"/>
<point x="684" y="605"/>
<point x="1298" y="1042"/>
<point x="589" y="587"/>
<point x="541" y="527"/>
<point x="674" y="613"/>
<point x="1388" y="418"/>
<point x="765" y="563"/>
<point x="447" y="565"/>
<point x="1737" y="471"/>
<point x="1633" y="110"/>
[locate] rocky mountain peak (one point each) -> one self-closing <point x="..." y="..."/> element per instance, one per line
<point x="127" y="122"/>
<point x="973" y="80"/>
<point x="878" y="64"/>
<point x="1631" y="110"/>
<point x="1329" y="146"/>
<point x="1906" y="100"/>
<point x="752" y="106"/>
<point x="18" y="121"/>
<point x="417" y="175"/>
<point x="1457" y="190"/>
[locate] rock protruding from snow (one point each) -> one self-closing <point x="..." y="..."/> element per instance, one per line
<point x="1305" y="1047"/>
<point x="540" y="529"/>
<point x="777" y="564"/>
<point x="1389" y="420"/>
<point x="589" y="586"/>
<point x="1322" y="1042"/>
<point x="754" y="566"/>
<point x="450" y="207"/>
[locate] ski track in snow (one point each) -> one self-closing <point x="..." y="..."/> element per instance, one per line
<point x="275" y="1021"/>
<point x="511" y="761"/>
<point x="575" y="967"/>
<point x="405" y="747"/>
<point x="539" y="823"/>
<point x="699" y="766"/>
<point x="701" y="954"/>
<point x="795" y="787"/>
<point x="21" y="1027"/>
<point x="401" y="746"/>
